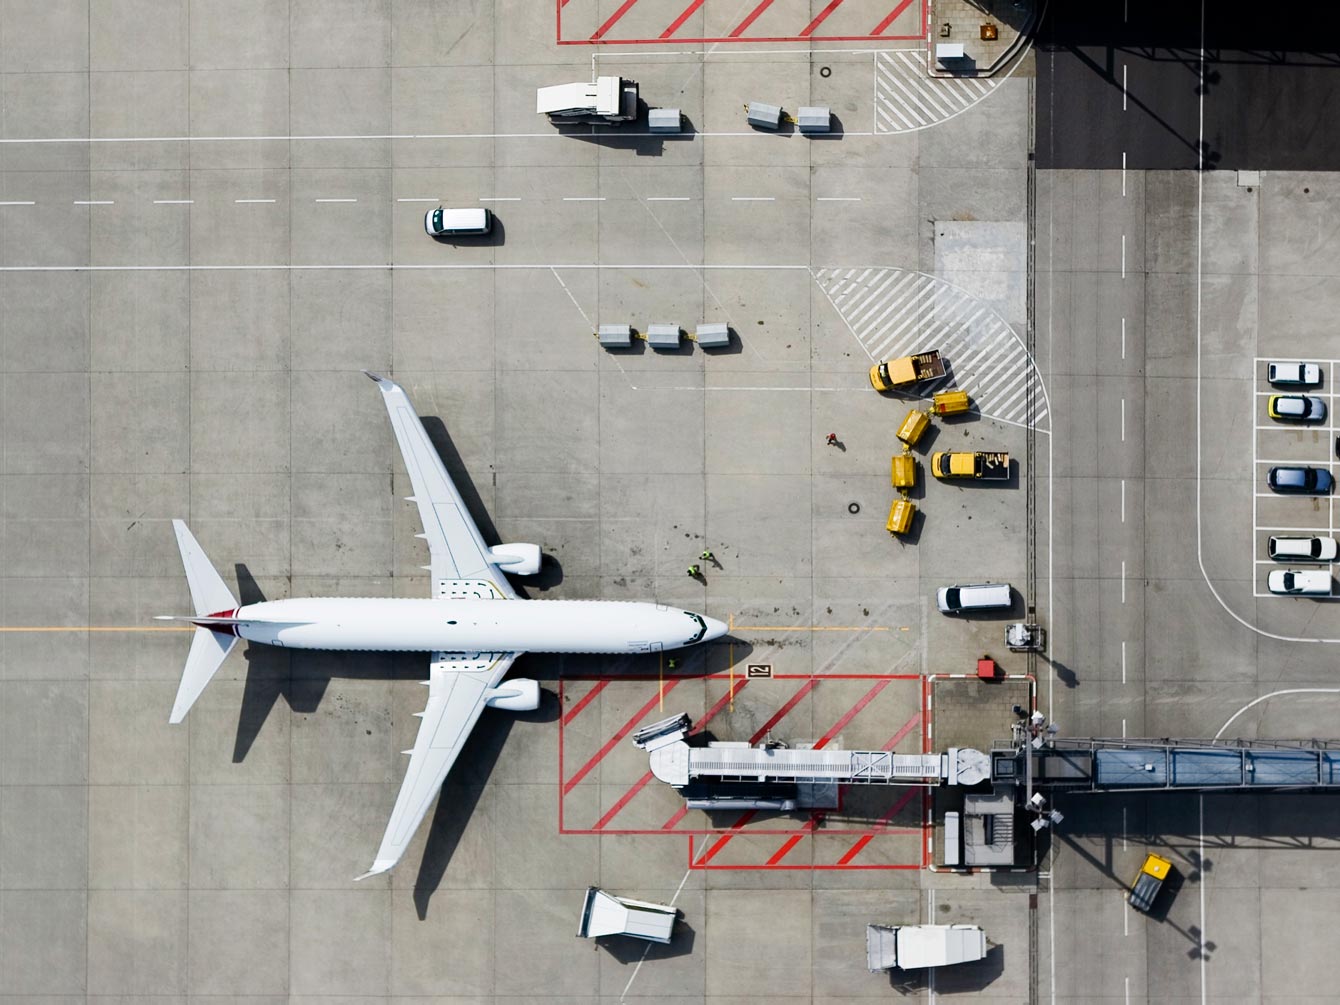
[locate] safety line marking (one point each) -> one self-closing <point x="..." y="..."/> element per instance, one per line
<point x="795" y="839"/>
<point x="820" y="18"/>
<point x="613" y="740"/>
<point x="753" y="16"/>
<point x="893" y="16"/>
<point x="865" y="839"/>
<point x="678" y="22"/>
<point x="609" y="23"/>
<point x="585" y="700"/>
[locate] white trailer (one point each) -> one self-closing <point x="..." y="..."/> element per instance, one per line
<point x="605" y="914"/>
<point x="610" y="100"/>
<point x="913" y="947"/>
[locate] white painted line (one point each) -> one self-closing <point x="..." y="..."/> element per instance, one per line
<point x="501" y="198"/>
<point x="418" y="200"/>
<point x="1123" y="420"/>
<point x="1123" y="338"/>
<point x="1123" y="256"/>
<point x="752" y="198"/>
<point x="1125" y="909"/>
<point x="94" y="202"/>
<point x="335" y="200"/>
<point x="1123" y="500"/>
<point x="667" y="198"/>
<point x="173" y="202"/>
<point x="1123" y="680"/>
<point x="837" y="198"/>
<point x="18" y="202"/>
<point x="1123" y="87"/>
<point x="1123" y="174"/>
<point x="583" y="198"/>
<point x="1201" y="861"/>
<point x="1123" y="581"/>
<point x="1123" y="736"/>
<point x="248" y="201"/>
<point x="1128" y="980"/>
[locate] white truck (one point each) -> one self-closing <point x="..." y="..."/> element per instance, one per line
<point x="609" y="100"/>
<point x="913" y="947"/>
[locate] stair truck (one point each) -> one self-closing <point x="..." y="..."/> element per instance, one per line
<point x="920" y="366"/>
<point x="605" y="100"/>
<point x="991" y="466"/>
<point x="912" y="947"/>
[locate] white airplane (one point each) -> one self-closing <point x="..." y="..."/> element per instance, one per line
<point x="474" y="626"/>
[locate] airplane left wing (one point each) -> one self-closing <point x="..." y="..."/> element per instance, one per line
<point x="457" y="694"/>
<point x="455" y="546"/>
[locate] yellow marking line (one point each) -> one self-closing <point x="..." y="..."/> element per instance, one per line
<point x="98" y="628"/>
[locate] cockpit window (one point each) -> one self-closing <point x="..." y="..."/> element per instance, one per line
<point x="702" y="628"/>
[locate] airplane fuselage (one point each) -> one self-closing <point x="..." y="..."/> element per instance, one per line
<point x="459" y="626"/>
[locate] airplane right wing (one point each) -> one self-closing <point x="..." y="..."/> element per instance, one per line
<point x="456" y="548"/>
<point x="457" y="695"/>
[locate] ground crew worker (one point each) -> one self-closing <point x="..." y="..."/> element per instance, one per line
<point x="832" y="439"/>
<point x="693" y="570"/>
<point x="672" y="664"/>
<point x="707" y="556"/>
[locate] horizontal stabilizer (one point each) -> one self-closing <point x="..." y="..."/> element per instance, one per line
<point x="208" y="651"/>
<point x="209" y="593"/>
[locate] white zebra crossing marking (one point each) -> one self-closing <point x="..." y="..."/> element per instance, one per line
<point x="894" y="312"/>
<point x="906" y="99"/>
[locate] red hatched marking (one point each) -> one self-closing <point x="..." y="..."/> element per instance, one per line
<point x="865" y="839"/>
<point x="743" y="26"/>
<point x="823" y="14"/>
<point x="724" y="840"/>
<point x="794" y="839"/>
<point x="609" y="22"/>
<point x="855" y="710"/>
<point x="641" y="783"/>
<point x="627" y="728"/>
<point x="678" y="22"/>
<point x="585" y="700"/>
<point x="893" y="16"/>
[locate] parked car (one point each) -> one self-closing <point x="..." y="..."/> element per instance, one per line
<point x="1293" y="374"/>
<point x="1300" y="582"/>
<point x="1297" y="407"/>
<point x="1301" y="479"/>
<point x="1302" y="549"/>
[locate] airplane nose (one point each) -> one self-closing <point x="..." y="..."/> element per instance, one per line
<point x="715" y="629"/>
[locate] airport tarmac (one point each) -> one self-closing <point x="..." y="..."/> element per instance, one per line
<point x="210" y="221"/>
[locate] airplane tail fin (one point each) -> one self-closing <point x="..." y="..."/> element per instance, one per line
<point x="214" y="603"/>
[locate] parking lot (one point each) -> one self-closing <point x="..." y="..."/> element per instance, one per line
<point x="1277" y="442"/>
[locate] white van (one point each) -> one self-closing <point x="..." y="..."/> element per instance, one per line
<point x="443" y="222"/>
<point x="1302" y="549"/>
<point x="1300" y="583"/>
<point x="977" y="597"/>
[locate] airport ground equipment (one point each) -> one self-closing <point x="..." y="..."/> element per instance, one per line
<point x="1025" y="638"/>
<point x="605" y="914"/>
<point x="891" y="373"/>
<point x="663" y="336"/>
<point x="901" y="514"/>
<point x="677" y="763"/>
<point x="953" y="402"/>
<point x="665" y="120"/>
<point x="915" y="947"/>
<point x="903" y="471"/>
<point x="615" y="336"/>
<point x="990" y="466"/>
<point x="814" y="119"/>
<point x="761" y="115"/>
<point x="603" y="101"/>
<point x="1148" y="883"/>
<point x="914" y="426"/>
<point x="713" y="335"/>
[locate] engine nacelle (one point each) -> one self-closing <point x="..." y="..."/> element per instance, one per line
<point x="518" y="559"/>
<point x="520" y="695"/>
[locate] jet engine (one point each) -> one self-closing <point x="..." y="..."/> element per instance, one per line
<point x="520" y="695"/>
<point x="518" y="559"/>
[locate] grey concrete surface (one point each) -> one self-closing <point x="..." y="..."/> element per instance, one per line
<point x="182" y="320"/>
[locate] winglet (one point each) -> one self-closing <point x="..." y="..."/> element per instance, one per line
<point x="378" y="867"/>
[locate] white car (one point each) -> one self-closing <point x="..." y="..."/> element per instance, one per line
<point x="1302" y="549"/>
<point x="1293" y="374"/>
<point x="1306" y="582"/>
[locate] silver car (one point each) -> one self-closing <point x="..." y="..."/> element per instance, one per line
<point x="1293" y="374"/>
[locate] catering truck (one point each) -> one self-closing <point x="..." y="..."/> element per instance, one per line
<point x="991" y="466"/>
<point x="609" y="100"/>
<point x="920" y="366"/>
<point x="911" y="947"/>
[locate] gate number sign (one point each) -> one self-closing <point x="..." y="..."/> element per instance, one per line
<point x="758" y="670"/>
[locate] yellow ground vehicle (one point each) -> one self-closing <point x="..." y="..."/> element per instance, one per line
<point x="903" y="471"/>
<point x="914" y="425"/>
<point x="907" y="370"/>
<point x="1148" y="882"/>
<point x="953" y="402"/>
<point x="900" y="516"/>
<point x="988" y="466"/>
